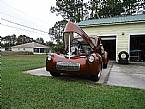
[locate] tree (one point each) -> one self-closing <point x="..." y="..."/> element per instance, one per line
<point x="70" y="9"/>
<point x="133" y="6"/>
<point x="24" y="39"/>
<point x="77" y="9"/>
<point x="40" y="40"/>
<point x="59" y="47"/>
<point x="57" y="30"/>
<point x="9" y="41"/>
<point x="104" y="8"/>
<point x="129" y="6"/>
<point x="50" y="43"/>
<point x="13" y="39"/>
<point x="92" y="7"/>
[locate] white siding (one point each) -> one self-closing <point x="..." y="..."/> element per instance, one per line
<point x="2" y="49"/>
<point x="22" y="49"/>
<point x="121" y="31"/>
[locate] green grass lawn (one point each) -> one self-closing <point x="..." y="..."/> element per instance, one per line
<point x="24" y="91"/>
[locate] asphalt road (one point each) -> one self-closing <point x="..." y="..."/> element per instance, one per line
<point x="131" y="75"/>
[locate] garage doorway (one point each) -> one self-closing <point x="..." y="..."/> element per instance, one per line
<point x="137" y="48"/>
<point x="109" y="43"/>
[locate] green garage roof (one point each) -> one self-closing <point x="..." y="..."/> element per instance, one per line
<point x="113" y="20"/>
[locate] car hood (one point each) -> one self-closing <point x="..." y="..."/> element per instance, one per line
<point x="71" y="28"/>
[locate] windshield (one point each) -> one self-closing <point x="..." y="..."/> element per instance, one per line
<point x="77" y="45"/>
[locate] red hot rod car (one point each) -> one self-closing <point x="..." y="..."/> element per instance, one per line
<point x="84" y="55"/>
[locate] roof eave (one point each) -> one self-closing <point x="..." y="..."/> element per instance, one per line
<point x="115" y="23"/>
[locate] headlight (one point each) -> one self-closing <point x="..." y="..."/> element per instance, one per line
<point x="91" y="58"/>
<point x="49" y="57"/>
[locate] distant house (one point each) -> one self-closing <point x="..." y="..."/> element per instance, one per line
<point x="2" y="49"/>
<point x="36" y="48"/>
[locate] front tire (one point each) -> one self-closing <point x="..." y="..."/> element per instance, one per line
<point x="55" y="74"/>
<point x="95" y="78"/>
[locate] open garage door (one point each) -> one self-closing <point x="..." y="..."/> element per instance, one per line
<point x="137" y="48"/>
<point x="109" y="43"/>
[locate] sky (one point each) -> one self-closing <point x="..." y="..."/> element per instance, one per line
<point x="31" y="13"/>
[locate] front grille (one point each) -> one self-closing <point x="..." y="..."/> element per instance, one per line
<point x="68" y="66"/>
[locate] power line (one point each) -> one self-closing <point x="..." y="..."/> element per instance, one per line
<point x="20" y="12"/>
<point x="20" y="19"/>
<point x="18" y="28"/>
<point x="15" y="27"/>
<point x="8" y="5"/>
<point x="37" y="21"/>
<point x="10" y="16"/>
<point x="23" y="25"/>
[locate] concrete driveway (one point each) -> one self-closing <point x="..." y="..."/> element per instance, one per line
<point x="132" y="75"/>
<point x="38" y="72"/>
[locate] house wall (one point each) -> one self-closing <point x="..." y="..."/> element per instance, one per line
<point x="2" y="49"/>
<point x="31" y="50"/>
<point x="22" y="49"/>
<point x="121" y="31"/>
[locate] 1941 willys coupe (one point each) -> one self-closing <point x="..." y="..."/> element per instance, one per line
<point x="83" y="55"/>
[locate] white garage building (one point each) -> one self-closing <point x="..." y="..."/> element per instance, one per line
<point x="119" y="34"/>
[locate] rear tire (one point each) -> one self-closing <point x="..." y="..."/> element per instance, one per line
<point x="55" y="74"/>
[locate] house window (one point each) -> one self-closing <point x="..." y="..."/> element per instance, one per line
<point x="46" y="50"/>
<point x="36" y="50"/>
<point x="41" y="50"/>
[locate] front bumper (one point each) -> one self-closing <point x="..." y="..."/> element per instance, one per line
<point x="68" y="66"/>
